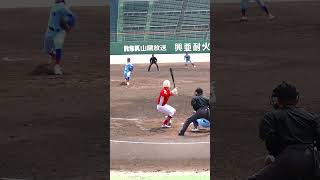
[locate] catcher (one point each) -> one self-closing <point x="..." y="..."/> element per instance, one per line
<point x="162" y="105"/>
<point x="61" y="21"/>
<point x="202" y="122"/>
<point x="201" y="105"/>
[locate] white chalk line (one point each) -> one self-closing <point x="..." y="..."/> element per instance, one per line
<point x="125" y="119"/>
<point x="161" y="143"/>
<point x="8" y="59"/>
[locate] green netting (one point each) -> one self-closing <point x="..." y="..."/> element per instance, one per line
<point x="162" y="20"/>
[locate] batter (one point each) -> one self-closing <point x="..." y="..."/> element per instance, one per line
<point x="162" y="105"/>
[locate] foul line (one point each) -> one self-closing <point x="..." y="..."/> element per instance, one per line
<point x="171" y="143"/>
<point x="126" y="119"/>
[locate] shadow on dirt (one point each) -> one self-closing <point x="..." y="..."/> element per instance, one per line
<point x="42" y="69"/>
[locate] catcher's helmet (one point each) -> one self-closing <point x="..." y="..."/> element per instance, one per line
<point x="284" y="94"/>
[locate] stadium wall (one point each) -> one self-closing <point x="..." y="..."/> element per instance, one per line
<point x="162" y="58"/>
<point x="159" y="47"/>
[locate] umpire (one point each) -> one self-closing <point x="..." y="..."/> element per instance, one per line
<point x="153" y="60"/>
<point x="289" y="133"/>
<point x="200" y="104"/>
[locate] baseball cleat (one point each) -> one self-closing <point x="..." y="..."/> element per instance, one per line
<point x="165" y="126"/>
<point x="58" y="70"/>
<point x="244" y="18"/>
<point x="181" y="134"/>
<point x="195" y="130"/>
<point x="269" y="159"/>
<point x="50" y="61"/>
<point x="271" y="17"/>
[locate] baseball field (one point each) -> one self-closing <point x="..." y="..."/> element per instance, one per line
<point x="138" y="143"/>
<point x="52" y="128"/>
<point x="251" y="58"/>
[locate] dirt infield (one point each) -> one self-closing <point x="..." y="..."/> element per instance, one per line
<point x="134" y="118"/>
<point x="250" y="60"/>
<point x="52" y="128"/>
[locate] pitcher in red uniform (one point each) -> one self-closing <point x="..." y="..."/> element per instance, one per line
<point x="162" y="105"/>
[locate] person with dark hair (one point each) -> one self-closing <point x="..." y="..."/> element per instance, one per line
<point x="153" y="60"/>
<point x="201" y="105"/>
<point x="289" y="133"/>
<point x="187" y="59"/>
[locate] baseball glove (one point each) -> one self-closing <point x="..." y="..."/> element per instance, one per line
<point x="67" y="22"/>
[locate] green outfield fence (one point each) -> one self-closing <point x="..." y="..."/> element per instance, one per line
<point x="160" y="47"/>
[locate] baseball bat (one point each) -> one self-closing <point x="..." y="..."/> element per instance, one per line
<point x="171" y="72"/>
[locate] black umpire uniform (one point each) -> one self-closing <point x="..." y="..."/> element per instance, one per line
<point x="153" y="60"/>
<point x="201" y="105"/>
<point x="289" y="133"/>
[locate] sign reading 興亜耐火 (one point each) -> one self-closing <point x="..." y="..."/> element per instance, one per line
<point x="161" y="47"/>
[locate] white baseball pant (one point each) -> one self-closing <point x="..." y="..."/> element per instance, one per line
<point x="166" y="109"/>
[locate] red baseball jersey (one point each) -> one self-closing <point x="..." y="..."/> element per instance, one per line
<point x="165" y="93"/>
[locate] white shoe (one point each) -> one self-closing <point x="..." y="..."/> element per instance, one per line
<point x="244" y="18"/>
<point x="165" y="126"/>
<point x="195" y="129"/>
<point x="128" y="83"/>
<point x="50" y="61"/>
<point x="271" y="17"/>
<point x="58" y="70"/>
<point x="269" y="159"/>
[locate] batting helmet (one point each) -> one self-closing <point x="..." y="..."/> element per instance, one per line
<point x="166" y="83"/>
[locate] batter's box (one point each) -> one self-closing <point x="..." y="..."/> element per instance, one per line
<point x="157" y="130"/>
